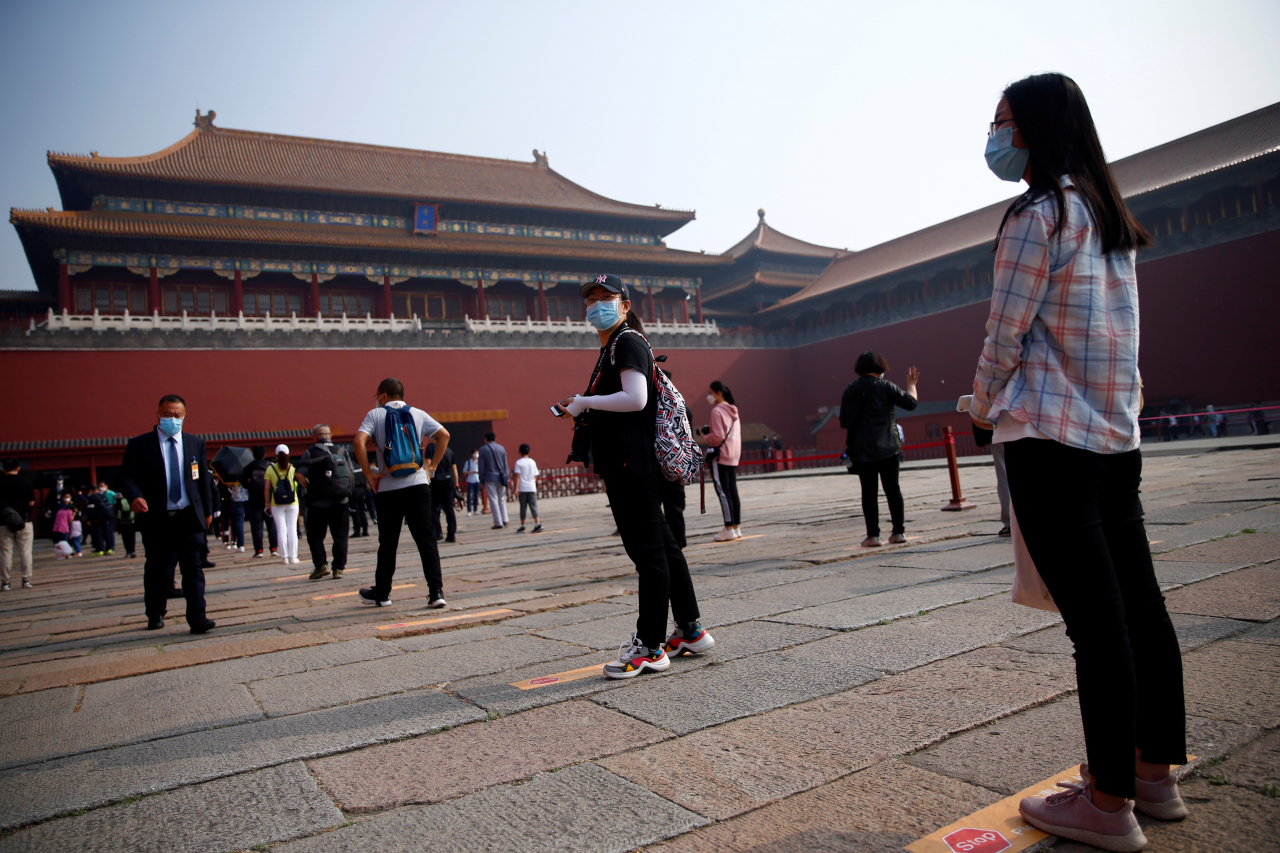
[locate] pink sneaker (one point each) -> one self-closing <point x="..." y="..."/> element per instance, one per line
<point x="1071" y="814"/>
<point x="1161" y="800"/>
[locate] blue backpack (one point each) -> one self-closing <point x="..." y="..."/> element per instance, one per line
<point x="401" y="446"/>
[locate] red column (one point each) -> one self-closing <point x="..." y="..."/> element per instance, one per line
<point x="93" y="470"/>
<point x="480" y="306"/>
<point x="314" y="308"/>
<point x="153" y="292"/>
<point x="542" y="303"/>
<point x="64" y="289"/>
<point x="237" y="295"/>
<point x="386" y="297"/>
<point x="685" y="303"/>
<point x="697" y="301"/>
<point x="652" y="316"/>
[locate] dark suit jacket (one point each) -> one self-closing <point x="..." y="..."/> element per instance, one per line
<point x="142" y="476"/>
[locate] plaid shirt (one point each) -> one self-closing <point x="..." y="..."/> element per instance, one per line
<point x="1062" y="339"/>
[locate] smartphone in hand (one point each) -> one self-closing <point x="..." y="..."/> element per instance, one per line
<point x="962" y="405"/>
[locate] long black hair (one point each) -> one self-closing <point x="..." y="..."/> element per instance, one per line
<point x="723" y="390"/>
<point x="633" y="320"/>
<point x="1051" y="114"/>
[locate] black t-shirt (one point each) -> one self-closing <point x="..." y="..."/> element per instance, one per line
<point x="443" y="474"/>
<point x="16" y="492"/>
<point x="624" y="440"/>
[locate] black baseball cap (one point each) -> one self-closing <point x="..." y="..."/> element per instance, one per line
<point x="609" y="282"/>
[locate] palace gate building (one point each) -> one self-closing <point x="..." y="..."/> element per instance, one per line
<point x="273" y="281"/>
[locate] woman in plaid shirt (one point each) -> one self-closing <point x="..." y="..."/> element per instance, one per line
<point x="1058" y="381"/>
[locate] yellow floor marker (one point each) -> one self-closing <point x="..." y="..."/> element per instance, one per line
<point x="357" y="592"/>
<point x="999" y="828"/>
<point x="498" y="612"/>
<point x="559" y="677"/>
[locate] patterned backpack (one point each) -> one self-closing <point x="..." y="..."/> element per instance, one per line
<point x="673" y="444"/>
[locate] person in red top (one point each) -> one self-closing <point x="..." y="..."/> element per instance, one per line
<point x="724" y="451"/>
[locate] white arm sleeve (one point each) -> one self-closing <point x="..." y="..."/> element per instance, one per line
<point x="633" y="397"/>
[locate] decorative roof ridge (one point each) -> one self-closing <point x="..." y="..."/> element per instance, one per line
<point x="67" y="159"/>
<point x="756" y="240"/>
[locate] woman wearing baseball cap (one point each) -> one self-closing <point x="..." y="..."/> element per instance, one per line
<point x="281" y="494"/>
<point x="622" y="402"/>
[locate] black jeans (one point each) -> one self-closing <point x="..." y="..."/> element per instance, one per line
<point x="165" y="537"/>
<point x="442" y="499"/>
<point x="1081" y="518"/>
<point x="256" y="517"/>
<point x="336" y="520"/>
<point x="412" y="506"/>
<point x="725" y="479"/>
<point x="887" y="471"/>
<point x="636" y="501"/>
<point x="98" y="533"/>
<point x="361" y="521"/>
<point x="673" y="509"/>
<point x="127" y="536"/>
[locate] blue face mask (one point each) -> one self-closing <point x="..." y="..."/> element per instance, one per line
<point x="1006" y="162"/>
<point x="171" y="426"/>
<point x="604" y="315"/>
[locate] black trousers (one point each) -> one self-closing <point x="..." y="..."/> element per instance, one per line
<point x="411" y="506"/>
<point x="636" y="501"/>
<point x="887" y="471"/>
<point x="361" y="520"/>
<point x="337" y="521"/>
<point x="1081" y="518"/>
<point x="673" y="509"/>
<point x="128" y="536"/>
<point x="725" y="478"/>
<point x="98" y="533"/>
<point x="442" y="499"/>
<point x="257" y="515"/>
<point x="167" y="536"/>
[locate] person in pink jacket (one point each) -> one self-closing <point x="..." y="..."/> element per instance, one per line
<point x="724" y="450"/>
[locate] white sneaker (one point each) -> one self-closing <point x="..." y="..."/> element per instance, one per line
<point x="294" y="560"/>
<point x="286" y="560"/>
<point x="737" y="533"/>
<point x="240" y="549"/>
<point x="725" y="535"/>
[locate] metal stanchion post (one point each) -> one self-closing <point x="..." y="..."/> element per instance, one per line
<point x="957" y="501"/>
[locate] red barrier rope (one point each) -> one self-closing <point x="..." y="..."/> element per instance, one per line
<point x="1210" y="414"/>
<point x="779" y="460"/>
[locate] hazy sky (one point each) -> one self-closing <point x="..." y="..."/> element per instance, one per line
<point x="851" y="123"/>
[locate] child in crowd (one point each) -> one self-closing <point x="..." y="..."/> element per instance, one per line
<point x="62" y="520"/>
<point x="75" y="531"/>
<point x="527" y="488"/>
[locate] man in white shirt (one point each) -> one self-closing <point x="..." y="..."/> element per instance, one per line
<point x="401" y="498"/>
<point x="527" y="488"/>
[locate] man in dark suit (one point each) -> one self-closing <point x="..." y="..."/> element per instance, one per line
<point x="165" y="477"/>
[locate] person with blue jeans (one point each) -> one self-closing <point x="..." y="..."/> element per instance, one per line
<point x="239" y="504"/>
<point x="472" y="469"/>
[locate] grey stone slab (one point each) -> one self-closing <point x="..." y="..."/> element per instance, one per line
<point x="1267" y="633"/>
<point x="948" y="545"/>
<point x="1193" y="512"/>
<point x="495" y="693"/>
<point x="711" y="585"/>
<point x="568" y="616"/>
<point x="600" y="634"/>
<point x="1018" y="751"/>
<point x="266" y="806"/>
<point x="238" y="671"/>
<point x="441" y="639"/>
<point x="975" y="559"/>
<point x="1181" y="572"/>
<point x="1193" y="632"/>
<point x="94" y="779"/>
<point x="292" y="694"/>
<point x="894" y="604"/>
<point x="687" y="701"/>
<point x="909" y="643"/>
<point x="44" y="704"/>
<point x="582" y="808"/>
<point x="103" y="725"/>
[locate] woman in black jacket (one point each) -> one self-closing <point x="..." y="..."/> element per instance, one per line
<point x="866" y="411"/>
<point x="622" y="402"/>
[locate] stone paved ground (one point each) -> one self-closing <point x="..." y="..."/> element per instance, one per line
<point x="854" y="700"/>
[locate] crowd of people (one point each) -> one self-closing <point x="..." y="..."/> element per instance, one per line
<point x="1056" y="393"/>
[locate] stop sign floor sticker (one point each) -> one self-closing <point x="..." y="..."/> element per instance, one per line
<point x="998" y="827"/>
